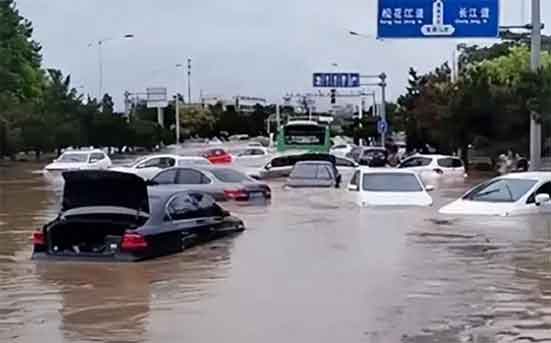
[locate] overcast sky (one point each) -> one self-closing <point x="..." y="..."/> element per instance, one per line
<point x="239" y="47"/>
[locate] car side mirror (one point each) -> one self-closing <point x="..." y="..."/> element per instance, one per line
<point x="429" y="188"/>
<point x="268" y="166"/>
<point x="542" y="198"/>
<point x="353" y="188"/>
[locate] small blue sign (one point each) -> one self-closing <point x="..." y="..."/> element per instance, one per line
<point x="336" y="80"/>
<point x="438" y="19"/>
<point x="382" y="126"/>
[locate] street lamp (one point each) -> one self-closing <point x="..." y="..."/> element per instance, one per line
<point x="100" y="58"/>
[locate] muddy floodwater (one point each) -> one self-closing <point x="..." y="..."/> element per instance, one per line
<point x="311" y="267"/>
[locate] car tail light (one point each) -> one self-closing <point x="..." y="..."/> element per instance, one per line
<point x="38" y="238"/>
<point x="235" y="194"/>
<point x="438" y="171"/>
<point x="133" y="242"/>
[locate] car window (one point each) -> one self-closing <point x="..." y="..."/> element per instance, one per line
<point x="324" y="173"/>
<point x="304" y="171"/>
<point x="355" y="178"/>
<point x="154" y="162"/>
<point x="280" y="162"/>
<point x="500" y="190"/>
<point x="72" y="157"/>
<point x="167" y="162"/>
<point x="97" y="156"/>
<point x="167" y="177"/>
<point x="544" y="189"/>
<point x="339" y="147"/>
<point x="342" y="162"/>
<point x="191" y="177"/>
<point x="445" y="162"/>
<point x="391" y="182"/>
<point x="192" y="206"/>
<point x="258" y="152"/>
<point x="416" y="162"/>
<point x="229" y="175"/>
<point x="457" y="163"/>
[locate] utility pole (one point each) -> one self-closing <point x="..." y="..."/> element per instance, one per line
<point x="535" y="63"/>
<point x="383" y="105"/>
<point x="177" y="115"/>
<point x="189" y="81"/>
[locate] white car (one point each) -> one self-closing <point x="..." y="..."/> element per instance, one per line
<point x="388" y="187"/>
<point x="80" y="159"/>
<point x="253" y="152"/>
<point x="434" y="165"/>
<point x="148" y="166"/>
<point x="341" y="150"/>
<point x="507" y="195"/>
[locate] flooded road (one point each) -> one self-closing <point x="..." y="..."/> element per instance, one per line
<point x="311" y="267"/>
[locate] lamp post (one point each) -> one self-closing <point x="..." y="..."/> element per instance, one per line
<point x="100" y="58"/>
<point x="535" y="63"/>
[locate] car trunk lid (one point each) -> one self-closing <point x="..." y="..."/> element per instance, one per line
<point x="105" y="191"/>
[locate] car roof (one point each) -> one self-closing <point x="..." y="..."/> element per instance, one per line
<point x="315" y="162"/>
<point x="541" y="176"/>
<point x="369" y="170"/>
<point x="434" y="156"/>
<point x="82" y="152"/>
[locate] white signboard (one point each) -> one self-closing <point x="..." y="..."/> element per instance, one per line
<point x="157" y="97"/>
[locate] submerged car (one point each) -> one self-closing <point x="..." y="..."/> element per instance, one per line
<point x="222" y="183"/>
<point x="435" y="165"/>
<point x="111" y="216"/>
<point x="314" y="174"/>
<point x="507" y="195"/>
<point x="148" y="166"/>
<point x="218" y="156"/>
<point x="282" y="166"/>
<point x="373" y="157"/>
<point x="80" y="159"/>
<point x="388" y="187"/>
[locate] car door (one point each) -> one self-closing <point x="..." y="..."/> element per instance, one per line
<point x="530" y="206"/>
<point x="188" y="220"/>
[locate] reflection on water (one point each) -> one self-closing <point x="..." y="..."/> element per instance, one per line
<point x="311" y="267"/>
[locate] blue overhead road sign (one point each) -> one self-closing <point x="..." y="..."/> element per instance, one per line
<point x="336" y="80"/>
<point x="438" y="19"/>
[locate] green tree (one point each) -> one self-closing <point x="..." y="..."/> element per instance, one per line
<point x="20" y="59"/>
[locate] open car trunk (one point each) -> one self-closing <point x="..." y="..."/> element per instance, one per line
<point x="86" y="237"/>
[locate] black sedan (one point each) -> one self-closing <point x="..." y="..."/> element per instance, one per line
<point x="373" y="157"/>
<point x="110" y="216"/>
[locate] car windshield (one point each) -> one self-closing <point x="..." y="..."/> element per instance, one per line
<point x="374" y="153"/>
<point x="304" y="171"/>
<point x="501" y="190"/>
<point x="229" y="175"/>
<point x="391" y="182"/>
<point x="73" y="157"/>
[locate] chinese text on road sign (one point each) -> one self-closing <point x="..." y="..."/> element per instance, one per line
<point x="438" y="18"/>
<point x="336" y="80"/>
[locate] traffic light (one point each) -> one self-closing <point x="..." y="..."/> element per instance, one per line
<point x="333" y="96"/>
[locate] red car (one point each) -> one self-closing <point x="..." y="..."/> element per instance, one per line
<point x="217" y="156"/>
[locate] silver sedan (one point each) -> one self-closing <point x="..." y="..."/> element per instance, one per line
<point x="221" y="183"/>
